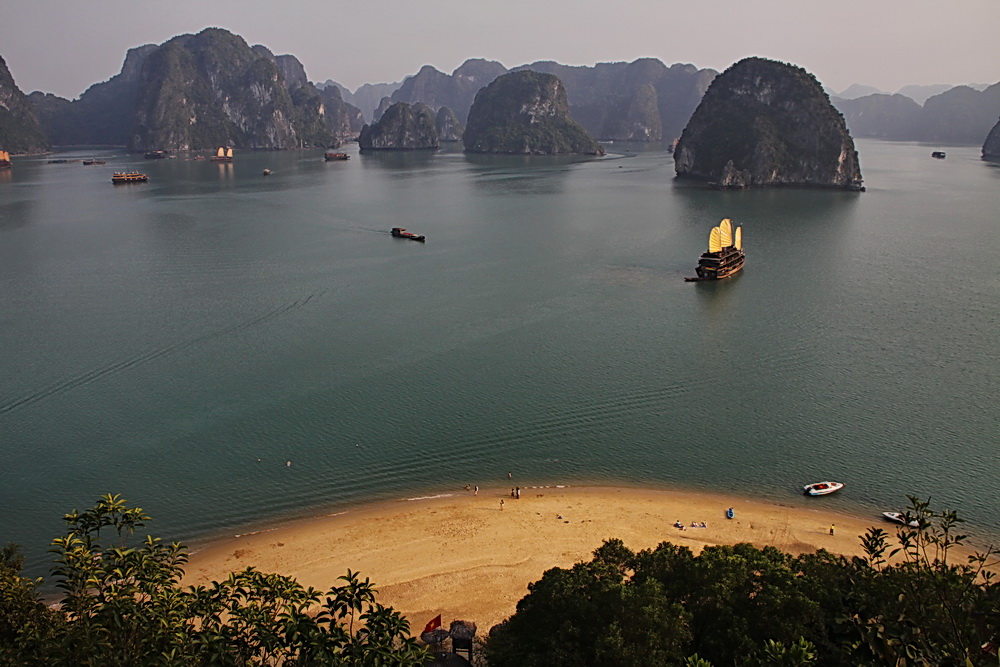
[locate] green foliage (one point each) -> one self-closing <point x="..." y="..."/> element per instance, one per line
<point x="123" y="605"/>
<point x="904" y="603"/>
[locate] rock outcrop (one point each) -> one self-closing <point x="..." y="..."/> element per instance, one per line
<point x="455" y="91"/>
<point x="449" y="128"/>
<point x="198" y="92"/>
<point x="401" y="127"/>
<point x="766" y="123"/>
<point x="525" y="113"/>
<point x="20" y="131"/>
<point x="991" y="147"/>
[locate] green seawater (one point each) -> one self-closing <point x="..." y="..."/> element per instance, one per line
<point x="158" y="339"/>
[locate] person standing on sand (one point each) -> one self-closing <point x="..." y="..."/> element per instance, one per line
<point x="517" y="493"/>
<point x="832" y="526"/>
<point x="477" y="490"/>
<point x="501" y="504"/>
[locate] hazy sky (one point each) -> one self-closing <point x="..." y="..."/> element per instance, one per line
<point x="64" y="46"/>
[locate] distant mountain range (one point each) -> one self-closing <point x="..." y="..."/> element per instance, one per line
<point x="209" y="89"/>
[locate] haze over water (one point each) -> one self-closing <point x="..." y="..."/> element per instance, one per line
<point x="158" y="339"/>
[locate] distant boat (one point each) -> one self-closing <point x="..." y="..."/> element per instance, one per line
<point x="899" y="517"/>
<point x="92" y="161"/>
<point x="267" y="172"/>
<point x="330" y="156"/>
<point x="401" y="233"/>
<point x="4" y="160"/>
<point x="155" y="155"/>
<point x="938" y="154"/>
<point x="725" y="254"/>
<point x="128" y="177"/>
<point x="223" y="155"/>
<point x="822" y="488"/>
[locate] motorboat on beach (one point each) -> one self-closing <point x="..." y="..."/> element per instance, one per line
<point x="900" y="518"/>
<point x="822" y="488"/>
<point x="730" y="513"/>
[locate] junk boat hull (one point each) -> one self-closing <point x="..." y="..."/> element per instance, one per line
<point x="725" y="255"/>
<point x="128" y="177"/>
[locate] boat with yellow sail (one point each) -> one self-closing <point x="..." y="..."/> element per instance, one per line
<point x="4" y="160"/>
<point x="725" y="254"/>
<point x="223" y="155"/>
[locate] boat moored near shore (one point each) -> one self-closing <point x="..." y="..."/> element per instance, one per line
<point x="822" y="488"/>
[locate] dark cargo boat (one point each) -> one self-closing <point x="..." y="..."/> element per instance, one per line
<point x="725" y="254"/>
<point x="401" y="233"/>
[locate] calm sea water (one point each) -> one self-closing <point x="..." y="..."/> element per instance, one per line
<point x="158" y="339"/>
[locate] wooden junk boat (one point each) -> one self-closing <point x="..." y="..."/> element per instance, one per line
<point x="725" y="254"/>
<point x="4" y="160"/>
<point x="128" y="177"/>
<point x="223" y="155"/>
<point x="401" y="233"/>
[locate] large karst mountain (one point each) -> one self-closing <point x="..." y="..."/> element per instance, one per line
<point x="526" y="113"/>
<point x="201" y="91"/>
<point x="20" y="131"/>
<point x="766" y="123"/>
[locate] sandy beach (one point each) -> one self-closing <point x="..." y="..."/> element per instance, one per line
<point x="462" y="556"/>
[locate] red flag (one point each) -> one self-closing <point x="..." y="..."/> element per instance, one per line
<point x="433" y="624"/>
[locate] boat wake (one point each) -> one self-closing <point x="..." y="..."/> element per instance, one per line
<point x="98" y="374"/>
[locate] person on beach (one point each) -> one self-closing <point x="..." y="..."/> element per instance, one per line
<point x="517" y="493"/>
<point x="477" y="490"/>
<point x="501" y="504"/>
<point x="510" y="475"/>
<point x="512" y="492"/>
<point x="832" y="526"/>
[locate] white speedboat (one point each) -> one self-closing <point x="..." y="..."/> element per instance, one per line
<point x="899" y="517"/>
<point x="822" y="488"/>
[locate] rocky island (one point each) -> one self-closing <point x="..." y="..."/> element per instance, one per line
<point x="991" y="147"/>
<point x="526" y="113"/>
<point x="765" y="123"/>
<point x="20" y="131"/>
<point x="401" y="127"/>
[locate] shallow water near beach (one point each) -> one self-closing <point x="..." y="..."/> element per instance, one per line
<point x="227" y="350"/>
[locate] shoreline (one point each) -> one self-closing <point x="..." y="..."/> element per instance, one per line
<point x="459" y="554"/>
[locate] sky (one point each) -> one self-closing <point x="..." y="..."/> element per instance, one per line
<point x="64" y="46"/>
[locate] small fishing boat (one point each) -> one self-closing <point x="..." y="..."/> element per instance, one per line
<point x="822" y="488"/>
<point x="899" y="517"/>
<point x="938" y="154"/>
<point x="401" y="233"/>
<point x="331" y="156"/>
<point x="267" y="172"/>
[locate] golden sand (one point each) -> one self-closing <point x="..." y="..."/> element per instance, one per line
<point x="464" y="557"/>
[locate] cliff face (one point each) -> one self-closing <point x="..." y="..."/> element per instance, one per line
<point x="455" y="91"/>
<point x="765" y="123"/>
<point x="448" y="126"/>
<point x="525" y="113"/>
<point x="20" y="130"/>
<point x="198" y="92"/>
<point x="643" y="100"/>
<point x="401" y="127"/>
<point x="881" y="116"/>
<point x="212" y="89"/>
<point x="991" y="147"/>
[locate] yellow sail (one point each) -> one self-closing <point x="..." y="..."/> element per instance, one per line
<point x="715" y="240"/>
<point x="739" y="238"/>
<point x="229" y="152"/>
<point x="221" y="152"/>
<point x="4" y="155"/>
<point x="726" y="227"/>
